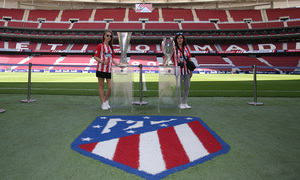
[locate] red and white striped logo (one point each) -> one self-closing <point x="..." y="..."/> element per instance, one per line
<point x="151" y="147"/>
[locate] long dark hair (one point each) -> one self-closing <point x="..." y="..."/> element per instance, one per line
<point x="111" y="39"/>
<point x="184" y="43"/>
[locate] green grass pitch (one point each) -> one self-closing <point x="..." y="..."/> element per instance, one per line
<point x="202" y="85"/>
<point x="35" y="138"/>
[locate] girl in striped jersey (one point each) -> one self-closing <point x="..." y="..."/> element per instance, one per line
<point x="182" y="52"/>
<point x="104" y="55"/>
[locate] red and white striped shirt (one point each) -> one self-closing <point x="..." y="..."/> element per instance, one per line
<point x="177" y="57"/>
<point x="105" y="53"/>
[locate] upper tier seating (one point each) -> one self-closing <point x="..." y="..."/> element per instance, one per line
<point x="275" y="14"/>
<point x="172" y="14"/>
<point x="15" y="14"/>
<point x="240" y="15"/>
<point x="117" y="14"/>
<point x="81" y="14"/>
<point x="153" y="16"/>
<point x="48" y="15"/>
<point x="206" y="15"/>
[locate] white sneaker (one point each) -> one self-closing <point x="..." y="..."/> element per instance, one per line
<point x="107" y="105"/>
<point x="187" y="106"/>
<point x="181" y="106"/>
<point x="104" y="107"/>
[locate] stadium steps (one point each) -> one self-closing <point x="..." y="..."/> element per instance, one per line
<point x="22" y="62"/>
<point x="267" y="63"/>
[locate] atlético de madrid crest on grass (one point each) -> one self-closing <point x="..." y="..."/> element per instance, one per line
<point x="150" y="146"/>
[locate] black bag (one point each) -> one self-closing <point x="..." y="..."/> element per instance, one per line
<point x="189" y="64"/>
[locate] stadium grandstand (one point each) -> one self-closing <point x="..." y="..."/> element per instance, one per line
<point x="219" y="33"/>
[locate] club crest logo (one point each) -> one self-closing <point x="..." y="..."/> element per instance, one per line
<point x="150" y="146"/>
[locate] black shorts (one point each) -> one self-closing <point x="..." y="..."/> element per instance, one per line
<point x="103" y="75"/>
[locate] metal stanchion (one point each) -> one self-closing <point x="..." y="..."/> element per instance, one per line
<point x="28" y="100"/>
<point x="2" y="110"/>
<point x="255" y="103"/>
<point x="141" y="102"/>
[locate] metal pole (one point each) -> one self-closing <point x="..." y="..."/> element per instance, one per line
<point x="141" y="102"/>
<point x="28" y="100"/>
<point x="255" y="103"/>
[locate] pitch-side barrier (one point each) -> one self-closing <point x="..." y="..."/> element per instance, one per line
<point x="141" y="102"/>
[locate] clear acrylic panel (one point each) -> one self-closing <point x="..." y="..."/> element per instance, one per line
<point x="169" y="89"/>
<point x="122" y="82"/>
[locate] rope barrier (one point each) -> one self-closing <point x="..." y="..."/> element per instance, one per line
<point x="29" y="100"/>
<point x="137" y="66"/>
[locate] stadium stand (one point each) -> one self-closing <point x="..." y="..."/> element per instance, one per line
<point x="169" y="14"/>
<point x="283" y="61"/>
<point x="14" y="14"/>
<point x="145" y="61"/>
<point x="74" y="60"/>
<point x="193" y="22"/>
<point x="241" y="15"/>
<point x="206" y="15"/>
<point x="211" y="61"/>
<point x="83" y="46"/>
<point x="47" y="15"/>
<point x="246" y="61"/>
<point x="234" y="47"/>
<point x="79" y="14"/>
<point x="43" y="59"/>
<point x="144" y="47"/>
<point x="53" y="46"/>
<point x="11" y="59"/>
<point x="276" y="14"/>
<point x="134" y="16"/>
<point x="202" y="47"/>
<point x="115" y="14"/>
